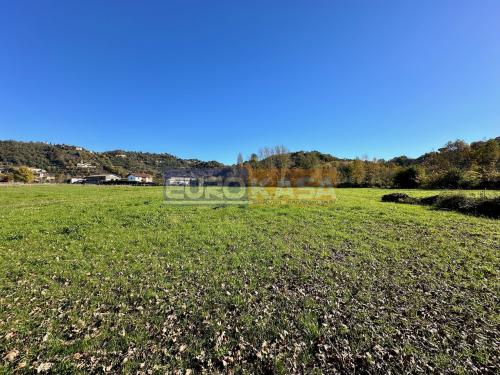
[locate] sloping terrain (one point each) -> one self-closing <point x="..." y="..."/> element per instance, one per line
<point x="66" y="159"/>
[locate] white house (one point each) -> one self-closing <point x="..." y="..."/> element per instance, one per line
<point x="41" y="175"/>
<point x="139" y="177"/>
<point x="85" y="165"/>
<point x="179" y="181"/>
<point x="38" y="171"/>
<point x="49" y="178"/>
<point x="100" y="178"/>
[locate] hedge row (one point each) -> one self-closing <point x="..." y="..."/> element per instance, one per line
<point x="489" y="207"/>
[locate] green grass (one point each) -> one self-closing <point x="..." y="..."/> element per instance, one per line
<point x="99" y="279"/>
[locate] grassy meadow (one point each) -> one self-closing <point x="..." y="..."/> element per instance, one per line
<point x="110" y="279"/>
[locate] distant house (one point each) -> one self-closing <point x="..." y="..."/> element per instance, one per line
<point x="139" y="177"/>
<point x="100" y="178"/>
<point x="179" y="181"/>
<point x="85" y="165"/>
<point x="41" y="175"/>
<point x="50" y="178"/>
<point x="37" y="170"/>
<point x="69" y="147"/>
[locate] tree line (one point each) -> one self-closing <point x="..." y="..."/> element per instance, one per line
<point x="456" y="165"/>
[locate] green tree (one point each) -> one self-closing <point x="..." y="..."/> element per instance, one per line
<point x="254" y="161"/>
<point x="407" y="178"/>
<point x="456" y="154"/>
<point x="487" y="155"/>
<point x="306" y="160"/>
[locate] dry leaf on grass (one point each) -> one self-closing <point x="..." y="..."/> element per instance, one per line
<point x="11" y="356"/>
<point x="43" y="367"/>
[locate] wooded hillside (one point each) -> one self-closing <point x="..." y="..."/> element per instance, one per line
<point x="77" y="161"/>
<point x="456" y="165"/>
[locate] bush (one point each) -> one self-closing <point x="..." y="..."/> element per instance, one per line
<point x="23" y="174"/>
<point x="489" y="207"/>
<point x="491" y="180"/>
<point x="449" y="179"/>
<point x="398" y="198"/>
<point x="429" y="201"/>
<point x="454" y="202"/>
<point x="470" y="180"/>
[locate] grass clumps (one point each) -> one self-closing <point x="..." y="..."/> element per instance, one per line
<point x="482" y="206"/>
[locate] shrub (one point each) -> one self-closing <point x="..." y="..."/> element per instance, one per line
<point x="454" y="202"/>
<point x="488" y="207"/>
<point x="23" y="174"/>
<point x="429" y="201"/>
<point x="491" y="180"/>
<point x="449" y="179"/>
<point x="397" y="198"/>
<point x="470" y="180"/>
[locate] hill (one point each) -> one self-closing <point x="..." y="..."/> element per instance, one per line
<point x="456" y="165"/>
<point x="77" y="161"/>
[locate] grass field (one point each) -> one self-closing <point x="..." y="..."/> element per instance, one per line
<point x="97" y="279"/>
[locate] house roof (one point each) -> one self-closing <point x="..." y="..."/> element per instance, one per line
<point x="103" y="175"/>
<point x="143" y="175"/>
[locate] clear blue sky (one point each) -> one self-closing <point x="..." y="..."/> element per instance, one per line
<point x="210" y="78"/>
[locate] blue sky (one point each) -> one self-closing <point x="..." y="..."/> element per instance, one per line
<point x="208" y="79"/>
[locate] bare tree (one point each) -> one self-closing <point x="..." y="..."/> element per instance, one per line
<point x="282" y="158"/>
<point x="265" y="152"/>
<point x="240" y="159"/>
